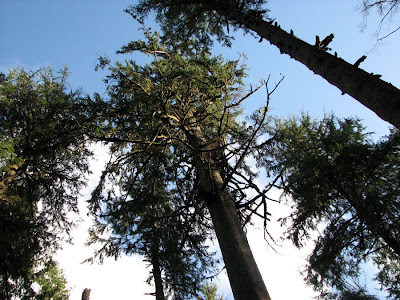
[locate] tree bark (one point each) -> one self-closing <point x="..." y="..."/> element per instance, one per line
<point x="86" y="294"/>
<point x="374" y="93"/>
<point x="244" y="276"/>
<point x="157" y="278"/>
<point x="156" y="266"/>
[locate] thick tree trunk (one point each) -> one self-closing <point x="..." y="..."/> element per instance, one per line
<point x="374" y="93"/>
<point x="244" y="276"/>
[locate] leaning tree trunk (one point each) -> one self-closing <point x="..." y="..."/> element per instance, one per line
<point x="374" y="93"/>
<point x="244" y="276"/>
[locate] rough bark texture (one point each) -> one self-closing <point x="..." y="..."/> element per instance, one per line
<point x="376" y="94"/>
<point x="244" y="276"/>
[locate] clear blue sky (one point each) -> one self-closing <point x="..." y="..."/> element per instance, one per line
<point x="74" y="33"/>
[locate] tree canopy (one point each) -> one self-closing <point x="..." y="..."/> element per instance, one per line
<point x="387" y="10"/>
<point x="43" y="162"/>
<point x="52" y="283"/>
<point x="343" y="183"/>
<point x="150" y="220"/>
<point x="179" y="171"/>
<point x="199" y="21"/>
<point x="178" y="147"/>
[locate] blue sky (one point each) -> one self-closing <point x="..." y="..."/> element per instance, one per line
<point x="74" y="33"/>
<point x="64" y="33"/>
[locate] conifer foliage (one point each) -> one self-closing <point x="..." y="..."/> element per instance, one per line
<point x="178" y="165"/>
<point x="42" y="163"/>
<point x="341" y="181"/>
<point x="202" y="20"/>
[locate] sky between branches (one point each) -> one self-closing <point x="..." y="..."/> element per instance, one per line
<point x="43" y="33"/>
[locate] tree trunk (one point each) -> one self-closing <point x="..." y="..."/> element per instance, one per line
<point x="86" y="294"/>
<point x="374" y="93"/>
<point x="5" y="282"/>
<point x="156" y="266"/>
<point x="244" y="276"/>
<point x="157" y="278"/>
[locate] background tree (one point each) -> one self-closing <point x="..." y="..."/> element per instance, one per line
<point x="52" y="283"/>
<point x="340" y="180"/>
<point x="387" y="10"/>
<point x="43" y="157"/>
<point x="183" y="20"/>
<point x="357" y="294"/>
<point x="145" y="217"/>
<point x="184" y="105"/>
<point x="210" y="291"/>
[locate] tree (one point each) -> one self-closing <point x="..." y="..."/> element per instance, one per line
<point x="387" y="9"/>
<point x="183" y="20"/>
<point x="210" y="291"/>
<point x="52" y="283"/>
<point x="180" y="113"/>
<point x="358" y="293"/>
<point x="339" y="179"/>
<point x="43" y="156"/>
<point x="146" y="218"/>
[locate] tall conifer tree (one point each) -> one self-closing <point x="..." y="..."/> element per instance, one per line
<point x="341" y="180"/>
<point x="201" y="20"/>
<point x="43" y="159"/>
<point x="176" y="139"/>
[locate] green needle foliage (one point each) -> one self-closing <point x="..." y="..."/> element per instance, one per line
<point x="210" y="291"/>
<point x="172" y="124"/>
<point x="43" y="159"/>
<point x="185" y="23"/>
<point x="341" y="181"/>
<point x="153" y="221"/>
<point x="198" y="22"/>
<point x="52" y="283"/>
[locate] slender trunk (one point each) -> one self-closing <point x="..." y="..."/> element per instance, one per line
<point x="370" y="215"/>
<point x="244" y="276"/>
<point x="374" y="93"/>
<point x="157" y="278"/>
<point x="156" y="266"/>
